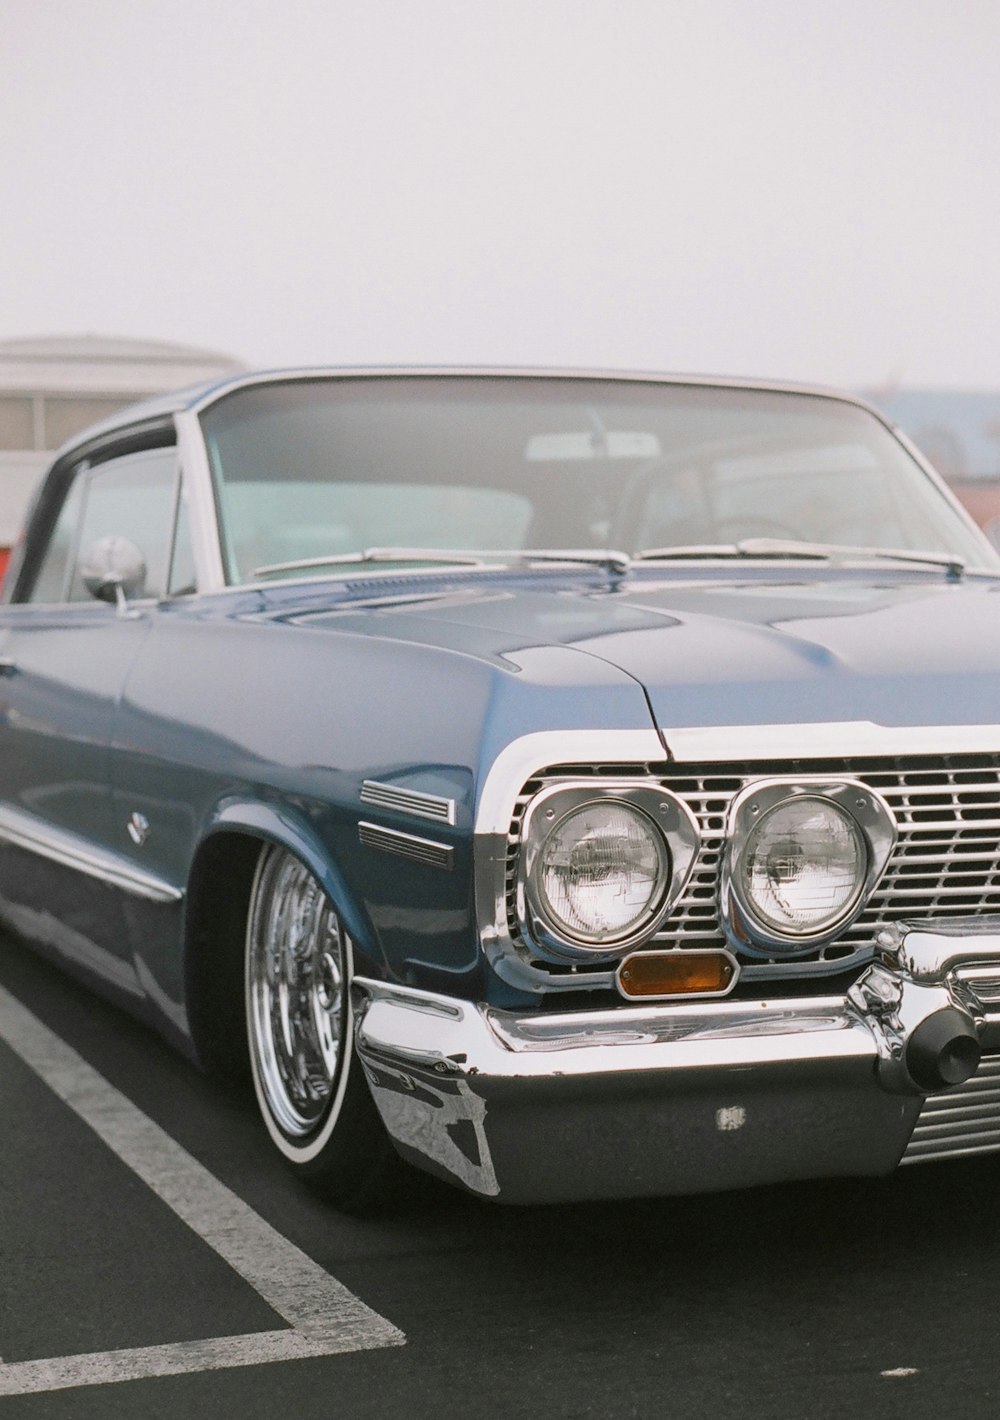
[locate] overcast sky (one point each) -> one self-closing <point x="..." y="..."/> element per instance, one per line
<point x="801" y="188"/>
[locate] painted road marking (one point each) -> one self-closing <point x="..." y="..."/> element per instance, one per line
<point x="324" y="1318"/>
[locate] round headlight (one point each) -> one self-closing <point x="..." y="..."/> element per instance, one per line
<point x="601" y="873"/>
<point x="803" y="866"/>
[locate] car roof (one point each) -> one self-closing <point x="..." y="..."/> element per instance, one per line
<point x="197" y="397"/>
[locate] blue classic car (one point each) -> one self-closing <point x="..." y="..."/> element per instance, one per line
<point x="578" y="785"/>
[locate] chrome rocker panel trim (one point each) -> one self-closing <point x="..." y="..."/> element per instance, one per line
<point x="23" y="830"/>
<point x="665" y="1099"/>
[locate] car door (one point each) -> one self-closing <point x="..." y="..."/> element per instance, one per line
<point x="64" y="659"/>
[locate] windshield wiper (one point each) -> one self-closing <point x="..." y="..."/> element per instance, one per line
<point x="952" y="563"/>
<point x="753" y="548"/>
<point x="778" y="548"/>
<point x="374" y="554"/>
<point x="597" y="557"/>
<point x="589" y="556"/>
<point x="749" y="547"/>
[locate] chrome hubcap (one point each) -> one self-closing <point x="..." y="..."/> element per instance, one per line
<point x="296" y="992"/>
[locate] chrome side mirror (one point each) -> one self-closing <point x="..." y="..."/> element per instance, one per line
<point x="113" y="569"/>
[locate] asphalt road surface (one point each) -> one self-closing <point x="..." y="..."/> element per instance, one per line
<point x="155" y="1260"/>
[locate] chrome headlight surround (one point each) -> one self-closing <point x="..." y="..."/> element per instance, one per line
<point x="673" y="830"/>
<point x="865" y="812"/>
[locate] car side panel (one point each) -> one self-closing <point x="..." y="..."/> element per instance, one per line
<point x="65" y="671"/>
<point x="274" y="728"/>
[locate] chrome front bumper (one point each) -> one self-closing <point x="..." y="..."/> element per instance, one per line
<point x="659" y="1099"/>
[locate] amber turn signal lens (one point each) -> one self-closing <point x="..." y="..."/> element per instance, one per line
<point x="676" y="973"/>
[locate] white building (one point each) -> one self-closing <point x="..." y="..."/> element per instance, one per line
<point x="51" y="387"/>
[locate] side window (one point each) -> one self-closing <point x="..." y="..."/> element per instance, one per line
<point x="53" y="574"/>
<point x="131" y="497"/>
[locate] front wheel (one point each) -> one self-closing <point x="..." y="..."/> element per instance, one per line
<point x="307" y="1077"/>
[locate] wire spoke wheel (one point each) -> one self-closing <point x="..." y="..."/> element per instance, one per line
<point x="309" y="1084"/>
<point x="297" y="994"/>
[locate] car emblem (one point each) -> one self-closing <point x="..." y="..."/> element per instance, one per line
<point x="138" y="828"/>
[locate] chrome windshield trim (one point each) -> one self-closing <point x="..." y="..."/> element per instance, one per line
<point x="23" y="830"/>
<point x="723" y="743"/>
<point x="927" y="468"/>
<point x="220" y="389"/>
<point x="205" y="530"/>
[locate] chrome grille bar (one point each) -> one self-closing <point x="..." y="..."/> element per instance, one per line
<point x="946" y="861"/>
<point x="961" y="1121"/>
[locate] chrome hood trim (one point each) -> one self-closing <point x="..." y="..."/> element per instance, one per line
<point x="711" y="744"/>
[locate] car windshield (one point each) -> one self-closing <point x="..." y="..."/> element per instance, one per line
<point x="324" y="471"/>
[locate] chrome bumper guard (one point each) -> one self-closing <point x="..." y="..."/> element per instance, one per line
<point x="647" y="1100"/>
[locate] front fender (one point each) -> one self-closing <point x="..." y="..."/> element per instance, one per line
<point x="282" y="824"/>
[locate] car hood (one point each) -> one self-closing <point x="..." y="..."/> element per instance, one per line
<point x="900" y="650"/>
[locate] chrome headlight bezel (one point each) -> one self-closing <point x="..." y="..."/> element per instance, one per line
<point x="668" y="817"/>
<point x="862" y="807"/>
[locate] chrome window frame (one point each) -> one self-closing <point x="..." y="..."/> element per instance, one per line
<point x="205" y="532"/>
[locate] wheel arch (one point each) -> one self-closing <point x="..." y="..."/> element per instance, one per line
<point x="218" y="897"/>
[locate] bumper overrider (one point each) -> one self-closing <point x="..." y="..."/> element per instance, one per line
<point x="658" y="1099"/>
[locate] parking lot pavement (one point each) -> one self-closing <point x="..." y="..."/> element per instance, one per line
<point x="299" y="1310"/>
<point x="93" y="1260"/>
<point x="805" y="1302"/>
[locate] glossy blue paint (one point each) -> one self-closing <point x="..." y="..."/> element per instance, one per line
<point x="291" y="715"/>
<point x="303" y="693"/>
<point x="773" y="647"/>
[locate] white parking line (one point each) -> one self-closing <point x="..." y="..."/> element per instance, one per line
<point x="323" y="1316"/>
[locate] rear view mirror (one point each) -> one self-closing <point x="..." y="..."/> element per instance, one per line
<point x="592" y="444"/>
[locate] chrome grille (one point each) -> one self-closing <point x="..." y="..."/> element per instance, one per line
<point x="964" y="1120"/>
<point x="945" y="864"/>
